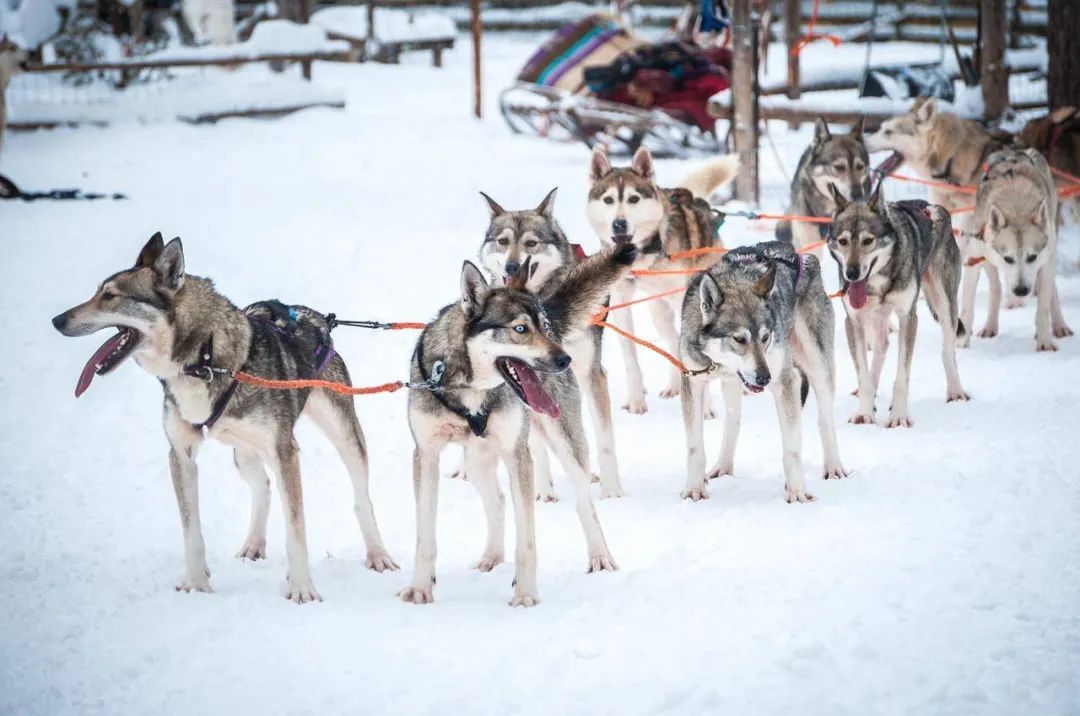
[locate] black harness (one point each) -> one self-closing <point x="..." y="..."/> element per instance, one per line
<point x="477" y="421"/>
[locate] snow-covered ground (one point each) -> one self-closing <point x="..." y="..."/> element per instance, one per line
<point x="942" y="577"/>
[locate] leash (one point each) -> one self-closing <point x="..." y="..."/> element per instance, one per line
<point x="9" y="190"/>
<point x="812" y="36"/>
<point x="333" y="321"/>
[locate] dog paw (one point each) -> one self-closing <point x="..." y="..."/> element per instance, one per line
<point x="672" y="391"/>
<point x="545" y="496"/>
<point x="862" y="418"/>
<point x="417" y="595"/>
<point x="253" y="549"/>
<point x="459" y="474"/>
<point x="835" y="471"/>
<point x="955" y="396"/>
<point x="612" y="493"/>
<point x="798" y="494"/>
<point x="898" y="420"/>
<point x="380" y="561"/>
<point x="709" y="413"/>
<point x="1045" y="346"/>
<point x="488" y="562"/>
<point x="188" y="586"/>
<point x="636" y="407"/>
<point x="719" y="471"/>
<point x="601" y="562"/>
<point x="988" y="331"/>
<point x="696" y="494"/>
<point x="1014" y="302"/>
<point x="1062" y="331"/>
<point x="964" y="341"/>
<point x="301" y="591"/>
<point x="525" y="599"/>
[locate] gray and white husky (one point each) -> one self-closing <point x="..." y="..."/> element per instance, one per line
<point x="493" y="359"/>
<point x="887" y="253"/>
<point x="182" y="331"/>
<point x="533" y="235"/>
<point x="627" y="206"/>
<point x="1016" y="212"/>
<point x="759" y="319"/>
<point x="832" y="162"/>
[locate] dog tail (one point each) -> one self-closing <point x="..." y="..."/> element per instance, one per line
<point x="711" y="176"/>
<point x="783" y="232"/>
<point x="961" y="329"/>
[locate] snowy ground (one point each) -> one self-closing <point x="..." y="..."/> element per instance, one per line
<point x="942" y="577"/>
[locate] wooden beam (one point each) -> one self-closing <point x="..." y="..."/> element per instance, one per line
<point x="208" y="62"/>
<point x="792" y="31"/>
<point x="474" y="21"/>
<point x="993" y="73"/>
<point x="743" y="101"/>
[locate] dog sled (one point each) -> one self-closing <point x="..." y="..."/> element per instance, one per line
<point x="593" y="81"/>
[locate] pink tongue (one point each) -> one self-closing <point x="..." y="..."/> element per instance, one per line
<point x="856" y="294"/>
<point x="90" y="368"/>
<point x="535" y="395"/>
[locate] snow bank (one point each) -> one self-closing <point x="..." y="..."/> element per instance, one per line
<point x="391" y="25"/>
<point x="270" y="37"/>
<point x="31" y="22"/>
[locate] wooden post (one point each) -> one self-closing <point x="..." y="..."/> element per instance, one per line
<point x="1063" y="82"/>
<point x="371" y="19"/>
<point x="993" y="73"/>
<point x="474" y="24"/>
<point x="743" y="100"/>
<point x="792" y="31"/>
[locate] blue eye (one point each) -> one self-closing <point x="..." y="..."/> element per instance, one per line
<point x="520" y="329"/>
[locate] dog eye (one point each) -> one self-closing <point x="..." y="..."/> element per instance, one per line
<point x="609" y="200"/>
<point x="1009" y="259"/>
<point x="840" y="168"/>
<point x="634" y="199"/>
<point x="842" y="242"/>
<point x="765" y="337"/>
<point x="504" y="242"/>
<point x="887" y="132"/>
<point x="1031" y="258"/>
<point x="530" y="244"/>
<point x="108" y="296"/>
<point x="867" y="242"/>
<point x="521" y="329"/>
<point x="740" y="339"/>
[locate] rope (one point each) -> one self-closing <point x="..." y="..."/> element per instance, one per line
<point x="333" y="320"/>
<point x="1065" y="175"/>
<point x="812" y="36"/>
<point x="958" y="188"/>
<point x="644" y="343"/>
<point x="315" y="383"/>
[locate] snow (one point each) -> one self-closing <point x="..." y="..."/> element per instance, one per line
<point x="943" y="577"/>
<point x="28" y="23"/>
<point x="270" y="37"/>
<point x="390" y="25"/>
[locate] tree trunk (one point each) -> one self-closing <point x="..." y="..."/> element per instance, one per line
<point x="993" y="74"/>
<point x="1063" y="28"/>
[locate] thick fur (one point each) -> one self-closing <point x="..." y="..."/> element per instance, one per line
<point x="535" y="235"/>
<point x="12" y="59"/>
<point x="900" y="249"/>
<point x="754" y="322"/>
<point x="1057" y="137"/>
<point x="1017" y="209"/>
<point x="626" y="205"/>
<point x="174" y="315"/>
<point x="831" y="160"/>
<point x="944" y="147"/>
<point x="471" y="337"/>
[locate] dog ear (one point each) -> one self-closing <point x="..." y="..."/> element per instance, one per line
<point x="496" y="210"/>
<point x="997" y="218"/>
<point x="151" y="251"/>
<point x="517" y="281"/>
<point x="547" y="206"/>
<point x="599" y="166"/>
<point x="169" y="265"/>
<point x="711" y="298"/>
<point x="642" y="163"/>
<point x="838" y="198"/>
<point x="474" y="290"/>
<point x="925" y="111"/>
<point x="857" y="129"/>
<point x="821" y="132"/>
<point x="765" y="284"/>
<point x="1041" y="215"/>
<point x="875" y="198"/>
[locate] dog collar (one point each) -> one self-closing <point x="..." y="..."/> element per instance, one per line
<point x="477" y="421"/>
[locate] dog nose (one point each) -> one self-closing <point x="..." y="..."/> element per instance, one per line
<point x="762" y="378"/>
<point x="852" y="273"/>
<point x="511" y="268"/>
<point x="59" y="321"/>
<point x="857" y="194"/>
<point x="562" y="361"/>
<point x="1022" y="290"/>
<point x="620" y="227"/>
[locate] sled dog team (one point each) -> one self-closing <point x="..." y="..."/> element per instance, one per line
<point x="506" y="367"/>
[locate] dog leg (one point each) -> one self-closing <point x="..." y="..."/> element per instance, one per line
<point x="426" y="490"/>
<point x="519" y="465"/>
<point x="573" y="454"/>
<point x="482" y="463"/>
<point x="945" y="309"/>
<point x="596" y="385"/>
<point x="856" y="329"/>
<point x="879" y="332"/>
<point x="545" y="486"/>
<point x="1044" y="336"/>
<point x="693" y="423"/>
<point x="815" y="359"/>
<point x="184" y="441"/>
<point x="970" y="283"/>
<point x="250" y="466"/>
<point x="1057" y="319"/>
<point x="785" y="389"/>
<point x="732" y="392"/>
<point x="898" y="411"/>
<point x="663" y="318"/>
<point x="285" y="462"/>
<point x="624" y="319"/>
<point x="336" y="417"/>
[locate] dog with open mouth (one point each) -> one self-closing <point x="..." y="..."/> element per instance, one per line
<point x="179" y="329"/>
<point x="493" y="361"/>
<point x="760" y="318"/>
<point x="887" y="254"/>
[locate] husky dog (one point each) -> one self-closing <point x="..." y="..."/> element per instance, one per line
<point x="944" y="147"/>
<point x="759" y="318"/>
<point x="887" y="252"/>
<point x="1016" y="217"/>
<point x="514" y="237"/>
<point x="12" y="61"/>
<point x="183" y="332"/>
<point x="488" y="360"/>
<point x="831" y="161"/>
<point x="627" y="206"/>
